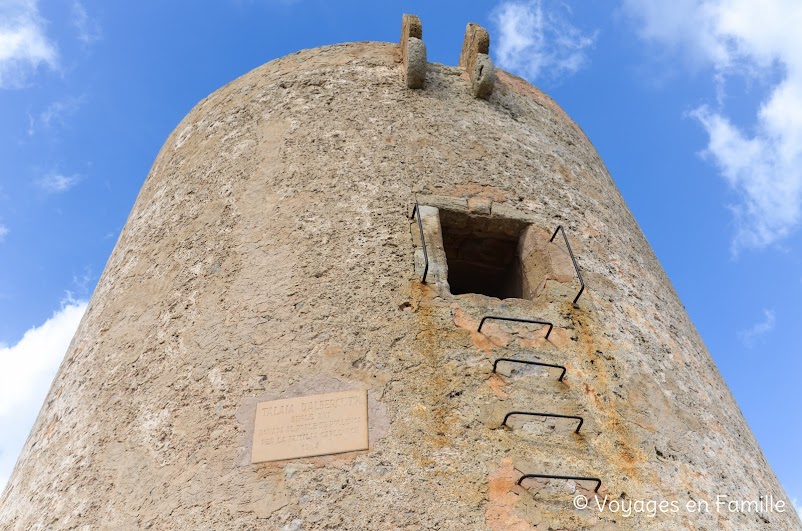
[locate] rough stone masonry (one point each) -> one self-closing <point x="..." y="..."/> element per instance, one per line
<point x="272" y="254"/>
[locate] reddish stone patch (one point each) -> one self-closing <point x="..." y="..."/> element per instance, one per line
<point x="501" y="500"/>
<point x="560" y="337"/>
<point x="476" y="190"/>
<point x="482" y="342"/>
<point x="496" y="385"/>
<point x="495" y="335"/>
<point x="464" y="321"/>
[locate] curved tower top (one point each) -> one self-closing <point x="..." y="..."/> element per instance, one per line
<point x="318" y="316"/>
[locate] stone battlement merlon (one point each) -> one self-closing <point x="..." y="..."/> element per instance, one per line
<point x="474" y="58"/>
<point x="413" y="51"/>
<point x="476" y="61"/>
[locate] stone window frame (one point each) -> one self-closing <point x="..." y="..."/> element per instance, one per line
<point x="429" y="211"/>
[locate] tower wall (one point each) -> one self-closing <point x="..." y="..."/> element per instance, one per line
<point x="271" y="254"/>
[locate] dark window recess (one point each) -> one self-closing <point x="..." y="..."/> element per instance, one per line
<point x="483" y="254"/>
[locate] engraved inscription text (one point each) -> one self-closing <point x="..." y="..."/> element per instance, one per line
<point x="310" y="425"/>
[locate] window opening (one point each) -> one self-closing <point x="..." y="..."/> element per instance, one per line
<point x="483" y="254"/>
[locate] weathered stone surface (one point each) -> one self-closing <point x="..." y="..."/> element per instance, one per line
<point x="270" y="249"/>
<point x="413" y="51"/>
<point x="411" y="27"/>
<point x="480" y="205"/>
<point x="476" y="41"/>
<point x="475" y="60"/>
<point x="415" y="66"/>
<point x="483" y="76"/>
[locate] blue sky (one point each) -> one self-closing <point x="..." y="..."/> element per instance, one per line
<point x="695" y="106"/>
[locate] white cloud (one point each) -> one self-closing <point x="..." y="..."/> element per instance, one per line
<point x="56" y="183"/>
<point x="32" y="362"/>
<point x="534" y="42"/>
<point x="24" y="47"/>
<point x="798" y="507"/>
<point x="26" y="372"/>
<point x="749" y="336"/>
<point x="55" y="114"/>
<point x="83" y="282"/>
<point x="761" y="41"/>
<point x="3" y="233"/>
<point x="87" y="28"/>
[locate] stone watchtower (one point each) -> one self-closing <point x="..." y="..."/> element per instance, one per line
<point x="363" y="291"/>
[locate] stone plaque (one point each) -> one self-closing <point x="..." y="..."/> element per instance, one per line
<point x="310" y="425"/>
